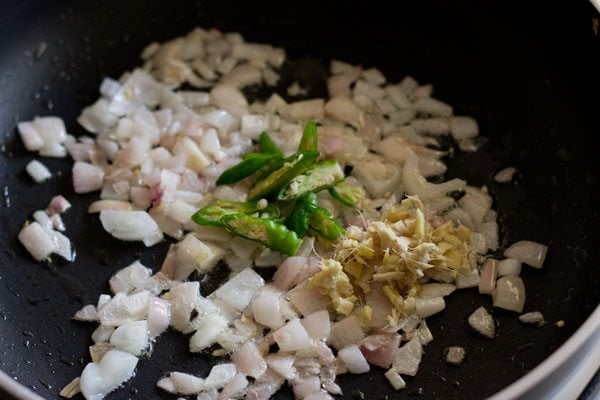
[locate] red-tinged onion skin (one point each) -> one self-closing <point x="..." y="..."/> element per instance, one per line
<point x="487" y="280"/>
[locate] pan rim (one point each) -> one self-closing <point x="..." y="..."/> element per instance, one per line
<point x="568" y="350"/>
<point x="551" y="365"/>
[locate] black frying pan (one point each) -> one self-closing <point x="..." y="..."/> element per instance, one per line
<point x="529" y="72"/>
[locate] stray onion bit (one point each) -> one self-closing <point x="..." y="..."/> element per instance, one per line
<point x="533" y="317"/>
<point x="483" y="322"/>
<point x="159" y="154"/>
<point x="454" y="355"/>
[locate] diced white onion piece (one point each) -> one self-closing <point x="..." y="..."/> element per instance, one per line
<point x="220" y="375"/>
<point x="430" y="290"/>
<point x="344" y="109"/>
<point x="379" y="177"/>
<point x="379" y="349"/>
<point x="534" y="317"/>
<point x="431" y="126"/>
<point x="98" y="117"/>
<point x="181" y="383"/>
<point x="123" y="308"/>
<point x="292" y="336"/>
<point x="131" y="337"/>
<point x="183" y="299"/>
<point x="229" y="98"/>
<point x="37" y="241"/>
<point x="346" y="332"/>
<point x="221" y="120"/>
<point x="87" y="313"/>
<point x="317" y="325"/>
<point x="509" y="293"/>
<point x="131" y="225"/>
<point x="248" y="360"/>
<point x="429" y="306"/>
<point x="354" y="360"/>
<point x="455" y="355"/>
<point x="253" y="125"/>
<point x="463" y="128"/>
<point x="530" y="253"/>
<point x="282" y="364"/>
<point x="482" y="321"/>
<point x="488" y="275"/>
<point x="408" y="357"/>
<point x="99" y="379"/>
<point x="109" y="87"/>
<point x="58" y="204"/>
<point x="467" y="280"/>
<point x="102" y="333"/>
<point x="415" y="183"/>
<point x="509" y="266"/>
<point x="306" y="109"/>
<point x="267" y="311"/>
<point x="129" y="278"/>
<point x="395" y="379"/>
<point x="193" y="254"/>
<point x="106" y="205"/>
<point x="87" y="177"/>
<point x="235" y="387"/>
<point x="32" y="140"/>
<point x="207" y="334"/>
<point x="476" y="203"/>
<point x="505" y="175"/>
<point x="428" y="105"/>
<point x="38" y="171"/>
<point x="239" y="290"/>
<point x="424" y="334"/>
<point x="303" y="387"/>
<point x="490" y="232"/>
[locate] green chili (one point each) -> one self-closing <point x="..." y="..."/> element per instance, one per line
<point x="268" y="232"/>
<point x="318" y="177"/>
<point x="212" y="214"/>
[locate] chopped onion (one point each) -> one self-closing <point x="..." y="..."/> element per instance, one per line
<point x="434" y="107"/>
<point x="415" y="183"/>
<point x="87" y="313"/>
<point x="38" y="171"/>
<point x="87" y="177"/>
<point x="282" y="364"/>
<point x="131" y="225"/>
<point x="32" y="140"/>
<point x="454" y="355"/>
<point x="395" y="379"/>
<point x="292" y="336"/>
<point x="317" y="325"/>
<point x="129" y="278"/>
<point x="123" y="308"/>
<point x="346" y="332"/>
<point x="428" y="306"/>
<point x="482" y="321"/>
<point x="354" y="360"/>
<point x="467" y="280"/>
<point x="489" y="273"/>
<point x="430" y="290"/>
<point x="379" y="349"/>
<point x="99" y="379"/>
<point x="505" y="175"/>
<point x="509" y="266"/>
<point x="509" y="293"/>
<point x="534" y="317"/>
<point x="463" y="128"/>
<point x="306" y="299"/>
<point x="131" y="337"/>
<point x="37" y="241"/>
<point x="530" y="253"/>
<point x="248" y="360"/>
<point x="239" y="290"/>
<point x="408" y="357"/>
<point x="183" y="300"/>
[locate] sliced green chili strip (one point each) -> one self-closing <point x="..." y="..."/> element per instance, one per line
<point x="266" y="145"/>
<point x="309" y="139"/>
<point x="346" y="194"/>
<point x="299" y="219"/>
<point x="211" y="214"/>
<point x="325" y="225"/>
<point x="252" y="163"/>
<point x="318" y="177"/>
<point x="279" y="177"/>
<point x="268" y="232"/>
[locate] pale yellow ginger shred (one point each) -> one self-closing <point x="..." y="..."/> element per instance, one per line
<point x="398" y="252"/>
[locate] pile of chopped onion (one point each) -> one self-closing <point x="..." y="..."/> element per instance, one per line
<point x="153" y="154"/>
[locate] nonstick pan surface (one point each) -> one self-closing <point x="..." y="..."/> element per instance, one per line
<point x="529" y="72"/>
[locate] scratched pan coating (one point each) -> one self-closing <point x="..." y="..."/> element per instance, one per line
<point x="527" y="73"/>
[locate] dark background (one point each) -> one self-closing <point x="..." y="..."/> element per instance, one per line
<point x="527" y="71"/>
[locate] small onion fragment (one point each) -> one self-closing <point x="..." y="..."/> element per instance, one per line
<point x="528" y="252"/>
<point x="509" y="293"/>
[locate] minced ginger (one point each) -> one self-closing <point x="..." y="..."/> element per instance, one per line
<point x="398" y="252"/>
